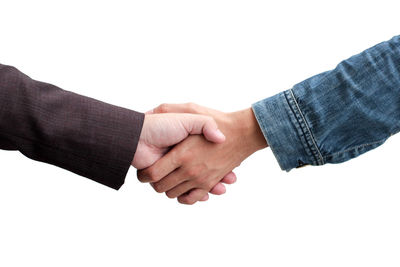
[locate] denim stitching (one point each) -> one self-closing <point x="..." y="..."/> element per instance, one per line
<point x="300" y="130"/>
<point x="357" y="147"/>
<point x="308" y="128"/>
<point x="260" y="119"/>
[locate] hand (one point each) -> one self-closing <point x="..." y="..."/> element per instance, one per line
<point x="195" y="166"/>
<point x="161" y="131"/>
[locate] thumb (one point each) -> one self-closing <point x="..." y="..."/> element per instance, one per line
<point x="201" y="124"/>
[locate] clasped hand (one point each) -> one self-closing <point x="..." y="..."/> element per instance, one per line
<point x="188" y="151"/>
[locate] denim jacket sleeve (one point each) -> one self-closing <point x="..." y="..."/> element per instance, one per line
<point x="336" y="115"/>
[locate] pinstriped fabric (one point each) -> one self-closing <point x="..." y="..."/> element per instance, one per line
<point x="83" y="135"/>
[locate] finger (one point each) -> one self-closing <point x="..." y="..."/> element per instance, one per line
<point x="159" y="169"/>
<point x="180" y="189"/>
<point x="218" y="189"/>
<point x="205" y="198"/>
<point x="230" y="178"/>
<point x="179" y="108"/>
<point x="149" y="112"/>
<point x="192" y="197"/>
<point x="201" y="124"/>
<point x="170" y="181"/>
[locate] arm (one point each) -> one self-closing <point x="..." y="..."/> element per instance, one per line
<point x="77" y="133"/>
<point x="329" y="118"/>
<point x="86" y="136"/>
<point x="336" y="115"/>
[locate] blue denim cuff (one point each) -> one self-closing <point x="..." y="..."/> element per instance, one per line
<point x="286" y="131"/>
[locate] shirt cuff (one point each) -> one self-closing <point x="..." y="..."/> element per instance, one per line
<point x="286" y="131"/>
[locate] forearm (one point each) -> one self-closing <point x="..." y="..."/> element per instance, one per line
<point x="243" y="124"/>
<point x="88" y="137"/>
<point x="336" y="115"/>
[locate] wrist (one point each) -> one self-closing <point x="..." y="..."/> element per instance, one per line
<point x="247" y="127"/>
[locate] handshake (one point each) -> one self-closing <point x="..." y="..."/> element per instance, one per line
<point x="188" y="151"/>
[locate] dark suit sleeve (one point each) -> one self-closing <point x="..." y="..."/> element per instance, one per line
<point x="83" y="135"/>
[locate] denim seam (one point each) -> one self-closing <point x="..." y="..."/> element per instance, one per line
<point x="300" y="130"/>
<point x="306" y="129"/>
<point x="260" y="120"/>
<point x="357" y="147"/>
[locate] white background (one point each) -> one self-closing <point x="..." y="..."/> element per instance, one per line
<point x="221" y="54"/>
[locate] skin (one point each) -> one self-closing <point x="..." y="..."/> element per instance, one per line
<point x="161" y="131"/>
<point x="193" y="167"/>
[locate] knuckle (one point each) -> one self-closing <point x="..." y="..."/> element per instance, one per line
<point x="140" y="176"/>
<point x="176" y="158"/>
<point x="186" y="157"/>
<point x="191" y="106"/>
<point x="209" y="185"/>
<point x="143" y="175"/>
<point x="202" y="180"/>
<point x="190" y="201"/>
<point x="210" y="119"/>
<point x="158" y="188"/>
<point x="186" y="201"/>
<point x="170" y="194"/>
<point x="205" y="183"/>
<point x="192" y="172"/>
<point x="163" y="108"/>
<point x="152" y="175"/>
